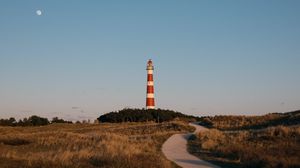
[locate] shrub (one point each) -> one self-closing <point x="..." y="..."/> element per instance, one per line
<point x="57" y="120"/>
<point x="37" y="121"/>
<point x="8" y="122"/>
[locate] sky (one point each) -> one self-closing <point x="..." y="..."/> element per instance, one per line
<point x="80" y="59"/>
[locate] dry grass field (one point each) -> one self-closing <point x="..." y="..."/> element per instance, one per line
<point x="131" y="145"/>
<point x="273" y="147"/>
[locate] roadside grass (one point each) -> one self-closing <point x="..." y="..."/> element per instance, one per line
<point x="131" y="145"/>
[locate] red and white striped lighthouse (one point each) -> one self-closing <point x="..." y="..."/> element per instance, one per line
<point x="150" y="87"/>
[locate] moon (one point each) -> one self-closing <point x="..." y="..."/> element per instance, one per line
<point x="39" y="12"/>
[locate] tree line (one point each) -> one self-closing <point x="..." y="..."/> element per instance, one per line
<point x="124" y="115"/>
<point x="143" y="115"/>
<point x="31" y="121"/>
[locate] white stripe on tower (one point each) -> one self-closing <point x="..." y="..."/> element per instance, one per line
<point x="150" y="71"/>
<point x="150" y="83"/>
<point x="150" y="95"/>
<point x="150" y="104"/>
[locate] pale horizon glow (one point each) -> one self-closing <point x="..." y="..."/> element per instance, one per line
<point x="85" y="58"/>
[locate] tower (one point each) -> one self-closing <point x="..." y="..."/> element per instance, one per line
<point x="150" y="87"/>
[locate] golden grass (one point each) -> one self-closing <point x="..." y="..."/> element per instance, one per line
<point x="86" y="145"/>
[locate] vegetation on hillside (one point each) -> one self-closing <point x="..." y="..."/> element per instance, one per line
<point x="251" y="122"/>
<point x="126" y="145"/>
<point x="274" y="147"/>
<point x="142" y="115"/>
<point x="267" y="141"/>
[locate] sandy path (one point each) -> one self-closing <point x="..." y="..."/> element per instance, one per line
<point x="175" y="149"/>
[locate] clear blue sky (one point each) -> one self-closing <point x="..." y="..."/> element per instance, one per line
<point x="80" y="59"/>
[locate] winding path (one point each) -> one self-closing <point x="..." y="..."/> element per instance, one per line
<point x="175" y="149"/>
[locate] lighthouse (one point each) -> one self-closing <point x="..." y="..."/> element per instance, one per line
<point x="150" y="86"/>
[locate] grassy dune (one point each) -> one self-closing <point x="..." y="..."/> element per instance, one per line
<point x="270" y="147"/>
<point x="251" y="122"/>
<point x="86" y="145"/>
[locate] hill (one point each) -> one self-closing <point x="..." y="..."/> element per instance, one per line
<point x="144" y="115"/>
<point x="224" y="122"/>
<point x="266" y="141"/>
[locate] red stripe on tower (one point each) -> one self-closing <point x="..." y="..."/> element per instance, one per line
<point x="150" y="104"/>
